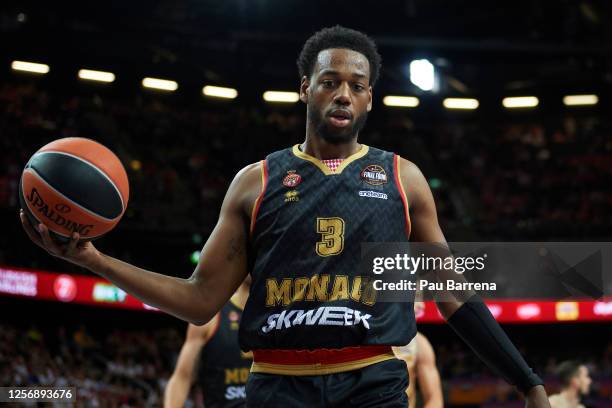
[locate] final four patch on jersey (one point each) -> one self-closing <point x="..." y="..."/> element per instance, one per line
<point x="374" y="174"/>
<point x="292" y="179"/>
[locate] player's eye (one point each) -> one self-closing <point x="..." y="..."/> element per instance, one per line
<point x="328" y="83"/>
<point x="359" y="87"/>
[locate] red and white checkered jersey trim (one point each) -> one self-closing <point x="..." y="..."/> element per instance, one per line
<point x="333" y="164"/>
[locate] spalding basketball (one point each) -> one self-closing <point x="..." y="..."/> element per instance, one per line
<point x="74" y="184"/>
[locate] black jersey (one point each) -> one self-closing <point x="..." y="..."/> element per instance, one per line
<point x="224" y="369"/>
<point x="307" y="230"/>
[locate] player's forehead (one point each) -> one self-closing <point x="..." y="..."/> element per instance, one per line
<point x="343" y="61"/>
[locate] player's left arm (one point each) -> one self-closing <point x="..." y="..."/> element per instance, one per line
<point x="471" y="319"/>
<point x="427" y="373"/>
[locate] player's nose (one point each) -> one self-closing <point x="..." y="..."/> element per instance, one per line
<point x="343" y="95"/>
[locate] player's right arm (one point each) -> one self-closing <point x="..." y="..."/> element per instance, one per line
<point x="466" y="313"/>
<point x="184" y="373"/>
<point x="221" y="268"/>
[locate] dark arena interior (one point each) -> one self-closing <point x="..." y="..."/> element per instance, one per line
<point x="498" y="173"/>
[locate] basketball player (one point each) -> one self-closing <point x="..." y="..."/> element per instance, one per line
<point x="223" y="369"/>
<point x="575" y="382"/>
<point x="420" y="361"/>
<point x="295" y="221"/>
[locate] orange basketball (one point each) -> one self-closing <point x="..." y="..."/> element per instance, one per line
<point x="74" y="184"/>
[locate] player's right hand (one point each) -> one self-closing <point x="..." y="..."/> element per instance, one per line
<point x="82" y="253"/>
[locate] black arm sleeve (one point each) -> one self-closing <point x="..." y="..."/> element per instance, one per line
<point x="475" y="324"/>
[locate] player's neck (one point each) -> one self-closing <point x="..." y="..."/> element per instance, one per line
<point x="571" y="396"/>
<point x="316" y="146"/>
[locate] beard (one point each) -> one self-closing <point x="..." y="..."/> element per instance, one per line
<point x="335" y="135"/>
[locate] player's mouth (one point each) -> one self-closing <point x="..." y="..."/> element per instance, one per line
<point x="340" y="117"/>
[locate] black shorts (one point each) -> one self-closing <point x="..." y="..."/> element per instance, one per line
<point x="381" y="385"/>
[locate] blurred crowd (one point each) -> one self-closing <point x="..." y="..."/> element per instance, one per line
<point x="544" y="180"/>
<point x="120" y="367"/>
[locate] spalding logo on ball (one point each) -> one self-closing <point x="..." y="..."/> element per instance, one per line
<point x="74" y="184"/>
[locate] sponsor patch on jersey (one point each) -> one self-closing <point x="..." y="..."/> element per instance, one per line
<point x="322" y="316"/>
<point x="374" y="174"/>
<point x="292" y="179"/>
<point x="373" y="194"/>
<point x="235" y="392"/>
<point x="292" y="196"/>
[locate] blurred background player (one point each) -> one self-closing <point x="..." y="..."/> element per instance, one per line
<point x="211" y="356"/>
<point x="421" y="363"/>
<point x="575" y="382"/>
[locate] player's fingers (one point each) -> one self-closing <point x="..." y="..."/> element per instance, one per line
<point x="29" y="230"/>
<point x="74" y="240"/>
<point x="47" y="241"/>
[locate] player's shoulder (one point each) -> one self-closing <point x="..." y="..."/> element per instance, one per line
<point x="250" y="176"/>
<point x="380" y="154"/>
<point x="250" y="170"/>
<point x="555" y="401"/>
<point x="410" y="174"/>
<point x="282" y="153"/>
<point x="413" y="180"/>
<point x="558" y="401"/>
<point x="406" y="166"/>
<point x="257" y="172"/>
<point x="246" y="187"/>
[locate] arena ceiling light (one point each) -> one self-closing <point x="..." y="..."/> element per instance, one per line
<point x="520" y="102"/>
<point x="422" y="74"/>
<point x="461" y="103"/>
<point x="162" y="84"/>
<point x="34" y="67"/>
<point x="100" y="76"/>
<point x="220" y="92"/>
<point x="401" y="101"/>
<point x="283" y="97"/>
<point x="575" y="100"/>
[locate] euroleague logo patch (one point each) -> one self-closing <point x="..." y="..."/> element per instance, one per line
<point x="374" y="174"/>
<point x="292" y="179"/>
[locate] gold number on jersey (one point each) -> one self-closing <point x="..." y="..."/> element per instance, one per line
<point x="332" y="236"/>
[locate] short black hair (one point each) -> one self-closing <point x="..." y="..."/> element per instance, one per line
<point x="568" y="370"/>
<point x="338" y="37"/>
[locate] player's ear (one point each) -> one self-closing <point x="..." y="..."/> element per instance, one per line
<point x="369" y="108"/>
<point x="304" y="89"/>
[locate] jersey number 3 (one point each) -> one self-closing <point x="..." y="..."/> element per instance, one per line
<point x="332" y="236"/>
